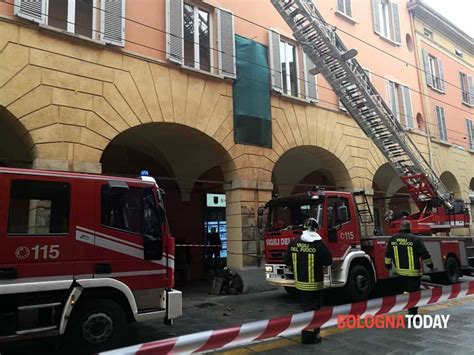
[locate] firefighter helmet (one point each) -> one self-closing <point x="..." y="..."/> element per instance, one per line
<point x="311" y="224"/>
<point x="405" y="226"/>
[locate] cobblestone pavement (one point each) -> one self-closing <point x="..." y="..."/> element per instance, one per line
<point x="205" y="312"/>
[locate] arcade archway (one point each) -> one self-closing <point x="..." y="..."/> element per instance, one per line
<point x="15" y="142"/>
<point x="187" y="165"/>
<point x="300" y="168"/>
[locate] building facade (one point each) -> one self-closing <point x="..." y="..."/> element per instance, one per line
<point x="215" y="97"/>
<point x="446" y="55"/>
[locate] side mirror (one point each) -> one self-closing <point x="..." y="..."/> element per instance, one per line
<point x="342" y="214"/>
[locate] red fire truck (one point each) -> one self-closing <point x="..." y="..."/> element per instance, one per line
<point x="359" y="261"/>
<point x="81" y="255"/>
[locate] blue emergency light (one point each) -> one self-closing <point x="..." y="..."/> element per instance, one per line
<point x="144" y="173"/>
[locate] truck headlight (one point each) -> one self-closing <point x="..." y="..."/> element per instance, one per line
<point x="268" y="268"/>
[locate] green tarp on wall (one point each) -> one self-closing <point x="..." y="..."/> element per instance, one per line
<point x="252" y="112"/>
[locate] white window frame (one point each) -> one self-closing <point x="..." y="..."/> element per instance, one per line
<point x="197" y="63"/>
<point x="287" y="67"/>
<point x="71" y="17"/>
<point x="384" y="17"/>
<point x="343" y="11"/>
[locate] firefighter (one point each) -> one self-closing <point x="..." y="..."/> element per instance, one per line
<point x="406" y="249"/>
<point x="307" y="256"/>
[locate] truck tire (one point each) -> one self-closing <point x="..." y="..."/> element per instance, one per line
<point x="96" y="324"/>
<point x="292" y="291"/>
<point x="452" y="271"/>
<point x="359" y="284"/>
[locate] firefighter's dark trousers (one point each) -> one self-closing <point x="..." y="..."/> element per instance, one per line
<point x="310" y="301"/>
<point x="410" y="284"/>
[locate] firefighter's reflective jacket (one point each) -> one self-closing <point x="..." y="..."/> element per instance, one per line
<point x="307" y="256"/>
<point x="406" y="249"/>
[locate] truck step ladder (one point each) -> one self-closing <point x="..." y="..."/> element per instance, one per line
<point x="363" y="208"/>
<point x="350" y="82"/>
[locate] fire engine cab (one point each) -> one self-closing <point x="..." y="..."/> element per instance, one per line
<point x="358" y="260"/>
<point x="81" y="255"/>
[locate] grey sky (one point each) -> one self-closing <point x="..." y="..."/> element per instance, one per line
<point x="459" y="12"/>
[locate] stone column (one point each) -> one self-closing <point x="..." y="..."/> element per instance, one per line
<point x="244" y="244"/>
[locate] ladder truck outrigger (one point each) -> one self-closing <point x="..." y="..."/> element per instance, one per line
<point x="359" y="259"/>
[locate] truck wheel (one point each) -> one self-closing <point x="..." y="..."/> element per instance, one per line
<point x="452" y="271"/>
<point x="96" y="324"/>
<point x="359" y="284"/>
<point x="292" y="291"/>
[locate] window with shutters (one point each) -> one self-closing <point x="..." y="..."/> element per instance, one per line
<point x="197" y="37"/>
<point x="435" y="72"/>
<point x="467" y="91"/>
<point x="433" y="68"/>
<point x="442" y="131"/>
<point x="470" y="133"/>
<point x="344" y="7"/>
<point x="386" y="17"/>
<point x="400" y="103"/>
<point x="289" y="68"/>
<point x="80" y="17"/>
<point x="192" y="30"/>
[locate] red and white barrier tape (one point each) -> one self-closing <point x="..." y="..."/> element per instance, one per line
<point x="293" y="324"/>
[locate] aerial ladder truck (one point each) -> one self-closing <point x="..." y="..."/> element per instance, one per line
<point x="359" y="260"/>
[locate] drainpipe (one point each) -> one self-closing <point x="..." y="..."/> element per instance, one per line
<point x="422" y="87"/>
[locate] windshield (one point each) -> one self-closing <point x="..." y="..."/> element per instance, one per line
<point x="293" y="216"/>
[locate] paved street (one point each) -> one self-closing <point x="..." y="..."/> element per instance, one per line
<point x="458" y="339"/>
<point x="205" y="312"/>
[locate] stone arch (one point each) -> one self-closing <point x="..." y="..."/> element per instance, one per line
<point x="15" y="142"/>
<point x="305" y="166"/>
<point x="389" y="194"/>
<point x="187" y="164"/>
<point x="451" y="183"/>
<point x="177" y="151"/>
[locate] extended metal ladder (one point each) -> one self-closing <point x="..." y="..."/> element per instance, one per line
<point x="350" y="82"/>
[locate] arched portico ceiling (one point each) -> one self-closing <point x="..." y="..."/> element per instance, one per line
<point x="185" y="153"/>
<point x="451" y="183"/>
<point x="301" y="162"/>
<point x="15" y="142"/>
